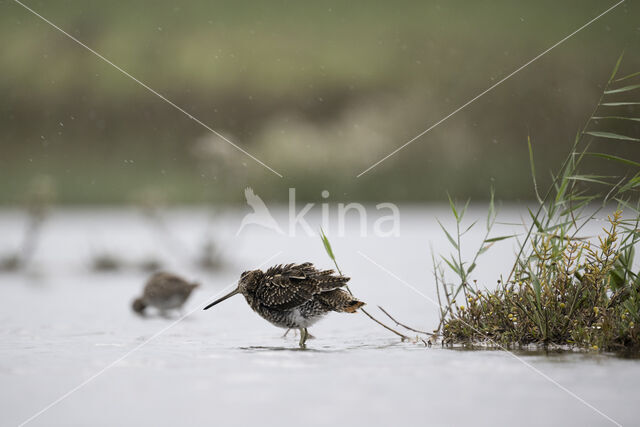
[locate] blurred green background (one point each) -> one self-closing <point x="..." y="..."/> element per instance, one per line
<point x="317" y="90"/>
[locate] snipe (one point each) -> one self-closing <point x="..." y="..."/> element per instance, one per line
<point x="294" y="295"/>
<point x="164" y="291"/>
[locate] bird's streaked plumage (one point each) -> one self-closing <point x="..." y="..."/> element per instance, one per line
<point x="164" y="291"/>
<point x="294" y="295"/>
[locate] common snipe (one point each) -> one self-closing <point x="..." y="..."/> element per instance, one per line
<point x="294" y="295"/>
<point x="164" y="291"/>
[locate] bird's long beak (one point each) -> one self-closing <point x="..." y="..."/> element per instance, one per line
<point x="229" y="295"/>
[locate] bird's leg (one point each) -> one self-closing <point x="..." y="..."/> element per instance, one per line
<point x="303" y="337"/>
<point x="295" y="333"/>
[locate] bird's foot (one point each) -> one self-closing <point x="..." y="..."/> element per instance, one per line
<point x="303" y="337"/>
<point x="295" y="333"/>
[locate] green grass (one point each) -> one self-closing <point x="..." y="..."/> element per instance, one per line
<point x="585" y="296"/>
<point x="564" y="289"/>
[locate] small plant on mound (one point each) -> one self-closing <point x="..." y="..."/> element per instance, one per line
<point x="563" y="289"/>
<point x="573" y="297"/>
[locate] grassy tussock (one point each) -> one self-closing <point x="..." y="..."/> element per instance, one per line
<point x="575" y="297"/>
<point x="563" y="289"/>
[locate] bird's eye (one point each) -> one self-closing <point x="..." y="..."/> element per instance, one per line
<point x="244" y="273"/>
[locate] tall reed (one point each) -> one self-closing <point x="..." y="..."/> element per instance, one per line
<point x="563" y="289"/>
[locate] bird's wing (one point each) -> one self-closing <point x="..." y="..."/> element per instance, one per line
<point x="165" y="284"/>
<point x="326" y="280"/>
<point x="253" y="200"/>
<point x="291" y="285"/>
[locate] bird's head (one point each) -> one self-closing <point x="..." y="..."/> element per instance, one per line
<point x="246" y="284"/>
<point x="249" y="280"/>
<point x="138" y="306"/>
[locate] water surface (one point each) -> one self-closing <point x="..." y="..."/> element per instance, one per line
<point x="60" y="324"/>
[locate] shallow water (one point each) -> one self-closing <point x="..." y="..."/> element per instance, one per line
<point x="61" y="324"/>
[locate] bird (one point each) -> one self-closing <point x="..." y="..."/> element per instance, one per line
<point x="294" y="296"/>
<point x="260" y="215"/>
<point x="164" y="291"/>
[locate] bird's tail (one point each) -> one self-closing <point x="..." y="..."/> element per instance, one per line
<point x="340" y="300"/>
<point x="353" y="306"/>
